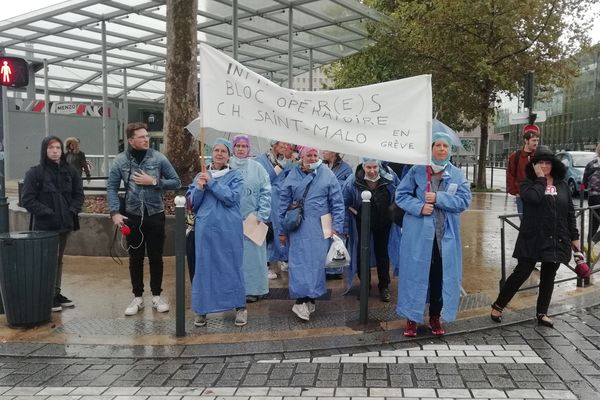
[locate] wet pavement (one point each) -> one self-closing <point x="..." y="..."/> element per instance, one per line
<point x="93" y="350"/>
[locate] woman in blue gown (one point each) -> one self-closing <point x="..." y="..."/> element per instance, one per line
<point x="256" y="200"/>
<point x="307" y="245"/>
<point x="430" y="269"/>
<point x="214" y="195"/>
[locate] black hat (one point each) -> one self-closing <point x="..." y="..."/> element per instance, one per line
<point x="543" y="153"/>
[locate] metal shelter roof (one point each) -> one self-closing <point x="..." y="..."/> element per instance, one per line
<point x="69" y="37"/>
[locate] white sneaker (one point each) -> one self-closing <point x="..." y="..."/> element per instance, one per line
<point x="241" y="317"/>
<point x="311" y="307"/>
<point x="200" y="320"/>
<point x="283" y="266"/>
<point x="159" y="304"/>
<point x="135" y="306"/>
<point x="271" y="274"/>
<point x="301" y="310"/>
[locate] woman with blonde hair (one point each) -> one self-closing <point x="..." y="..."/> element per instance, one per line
<point x="76" y="157"/>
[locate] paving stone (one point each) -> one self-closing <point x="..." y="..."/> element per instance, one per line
<point x="472" y="375"/>
<point x="255" y="380"/>
<point x="401" y="381"/>
<point x="303" y="380"/>
<point x="521" y="375"/>
<point x="451" y="381"/>
<point x="214" y="368"/>
<point x="352" y="380"/>
<point x="377" y="374"/>
<point x="498" y="381"/>
<point x="306" y="368"/>
<point x="331" y="374"/>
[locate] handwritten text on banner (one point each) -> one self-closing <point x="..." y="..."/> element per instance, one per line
<point x="388" y="121"/>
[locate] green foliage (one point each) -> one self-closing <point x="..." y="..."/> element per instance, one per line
<point x="474" y="50"/>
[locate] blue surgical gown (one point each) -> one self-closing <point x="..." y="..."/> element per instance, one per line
<point x="275" y="251"/>
<point x="256" y="199"/>
<point x="219" y="280"/>
<point x="416" y="245"/>
<point x="307" y="246"/>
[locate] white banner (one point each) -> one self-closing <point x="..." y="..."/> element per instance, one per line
<point x="388" y="121"/>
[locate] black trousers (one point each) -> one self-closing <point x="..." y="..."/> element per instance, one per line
<point x="594" y="200"/>
<point x="380" y="248"/>
<point x="147" y="236"/>
<point x="520" y="275"/>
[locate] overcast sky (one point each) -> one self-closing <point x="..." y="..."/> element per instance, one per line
<point x="25" y="6"/>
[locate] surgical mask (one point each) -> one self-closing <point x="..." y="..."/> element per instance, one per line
<point x="315" y="165"/>
<point x="437" y="168"/>
<point x="367" y="178"/>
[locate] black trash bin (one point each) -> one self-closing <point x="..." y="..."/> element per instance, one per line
<point x="28" y="263"/>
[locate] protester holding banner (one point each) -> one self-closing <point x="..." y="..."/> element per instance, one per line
<point x="255" y="203"/>
<point x="430" y="269"/>
<point x="370" y="176"/>
<point x="273" y="161"/>
<point x="215" y="194"/>
<point x="316" y="187"/>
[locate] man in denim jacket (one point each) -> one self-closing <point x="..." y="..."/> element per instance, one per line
<point x="145" y="173"/>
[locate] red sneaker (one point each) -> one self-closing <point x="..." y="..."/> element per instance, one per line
<point x="436" y="326"/>
<point x="410" y="330"/>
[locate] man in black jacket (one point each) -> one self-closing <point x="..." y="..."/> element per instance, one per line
<point x="53" y="194"/>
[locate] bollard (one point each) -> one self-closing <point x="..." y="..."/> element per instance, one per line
<point x="492" y="178"/>
<point x="365" y="236"/>
<point x="180" y="266"/>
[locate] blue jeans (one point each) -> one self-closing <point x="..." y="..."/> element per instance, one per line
<point x="519" y="203"/>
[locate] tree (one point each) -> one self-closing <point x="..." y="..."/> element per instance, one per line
<point x="474" y="49"/>
<point x="181" y="87"/>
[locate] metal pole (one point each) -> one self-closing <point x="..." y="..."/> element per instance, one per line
<point x="46" y="101"/>
<point x="310" y="70"/>
<point x="290" y="47"/>
<point x="365" y="235"/>
<point x="125" y="108"/>
<point x="104" y="102"/>
<point x="3" y="199"/>
<point x="234" y="27"/>
<point x="502" y="256"/>
<point x="492" y="178"/>
<point x="180" y="266"/>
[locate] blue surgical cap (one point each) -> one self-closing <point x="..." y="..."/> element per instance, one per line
<point x="224" y="142"/>
<point x="367" y="160"/>
<point x="441" y="136"/>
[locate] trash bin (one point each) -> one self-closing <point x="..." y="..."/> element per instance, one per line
<point x="28" y="263"/>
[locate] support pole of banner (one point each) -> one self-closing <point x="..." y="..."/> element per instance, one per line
<point x="201" y="144"/>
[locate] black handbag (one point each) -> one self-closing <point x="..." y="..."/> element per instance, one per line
<point x="295" y="213"/>
<point x="396" y="214"/>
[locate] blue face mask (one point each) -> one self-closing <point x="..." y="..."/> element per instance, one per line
<point x="315" y="165"/>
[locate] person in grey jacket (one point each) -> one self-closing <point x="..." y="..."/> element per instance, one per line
<point x="146" y="173"/>
<point x="53" y="194"/>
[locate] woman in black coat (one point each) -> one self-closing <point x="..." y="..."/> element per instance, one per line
<point x="547" y="234"/>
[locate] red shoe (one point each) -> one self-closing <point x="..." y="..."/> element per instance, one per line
<point x="410" y="330"/>
<point x="436" y="326"/>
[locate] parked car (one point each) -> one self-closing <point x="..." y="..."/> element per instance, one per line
<point x="575" y="161"/>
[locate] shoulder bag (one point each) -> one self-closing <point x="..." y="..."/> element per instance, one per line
<point x="295" y="212"/>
